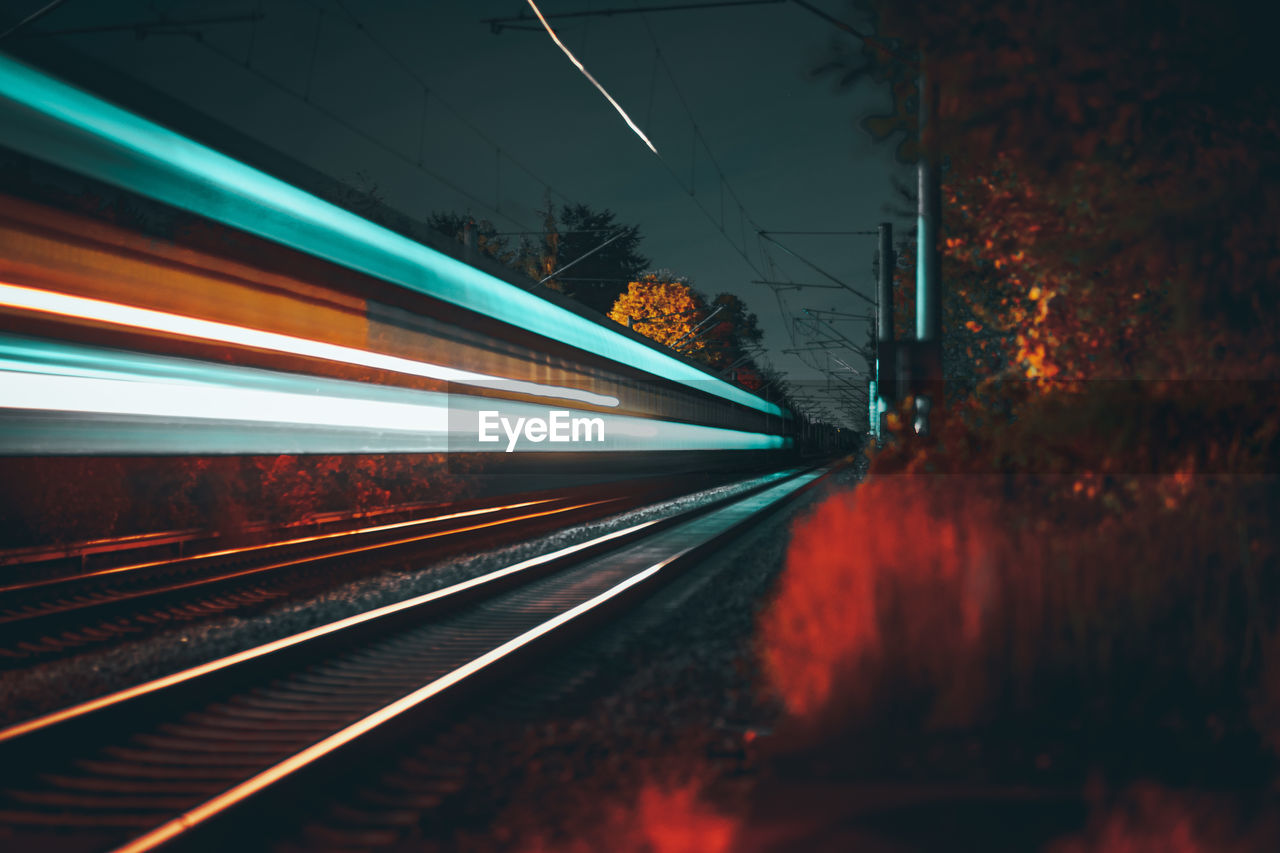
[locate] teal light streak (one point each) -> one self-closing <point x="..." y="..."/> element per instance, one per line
<point x="52" y="121"/>
<point x="60" y="398"/>
<point x="873" y="405"/>
<point x="924" y="245"/>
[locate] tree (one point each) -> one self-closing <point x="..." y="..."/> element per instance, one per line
<point x="569" y="234"/>
<point x="362" y="195"/>
<point x="1108" y="214"/>
<point x="730" y="336"/>
<point x="665" y="308"/>
<point x="488" y="242"/>
<point x="597" y="280"/>
<point x="1112" y="187"/>
<point x="540" y="258"/>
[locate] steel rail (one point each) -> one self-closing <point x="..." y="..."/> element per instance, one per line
<point x="53" y="616"/>
<point x="261" y="719"/>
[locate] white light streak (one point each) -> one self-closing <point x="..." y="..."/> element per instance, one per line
<point x="587" y="74"/>
<point x="143" y="398"/>
<point x="80" y="307"/>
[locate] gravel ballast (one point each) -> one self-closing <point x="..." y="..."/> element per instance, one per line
<point x="667" y="695"/>
<point x="33" y="690"/>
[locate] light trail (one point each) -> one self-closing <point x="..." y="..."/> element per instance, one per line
<point x="62" y="398"/>
<point x="51" y="121"/>
<point x="151" y="320"/>
<point x="126" y="396"/>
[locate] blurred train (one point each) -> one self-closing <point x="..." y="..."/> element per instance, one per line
<point x="160" y="297"/>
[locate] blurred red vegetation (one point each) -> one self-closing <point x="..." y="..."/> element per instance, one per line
<point x="951" y="601"/>
<point x="69" y="499"/>
<point x="1079" y="562"/>
<point x="662" y="819"/>
<point x="1083" y="550"/>
<point x="1150" y="819"/>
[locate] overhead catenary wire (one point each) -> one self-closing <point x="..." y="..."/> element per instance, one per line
<point x="436" y="97"/>
<point x="360" y="132"/>
<point x="248" y="65"/>
<point x="826" y="340"/>
<point x="518" y="22"/>
<point x="624" y="232"/>
<point x="417" y="159"/>
<point x="816" y="268"/>
<point x="727" y="195"/>
<point x="828" y="233"/>
<point x="691" y="190"/>
<point x="742" y="248"/>
<point x="31" y="18"/>
<point x="315" y="49"/>
<point x="162" y="25"/>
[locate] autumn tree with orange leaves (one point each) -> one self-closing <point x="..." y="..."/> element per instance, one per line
<point x="1109" y="215"/>
<point x="718" y="333"/>
<point x="664" y="308"/>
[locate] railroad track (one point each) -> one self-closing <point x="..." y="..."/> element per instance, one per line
<point x="49" y="616"/>
<point x="189" y="758"/>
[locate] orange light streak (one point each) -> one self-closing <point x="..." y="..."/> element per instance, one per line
<point x="148" y="319"/>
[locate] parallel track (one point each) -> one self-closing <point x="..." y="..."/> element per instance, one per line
<point x="46" y="616"/>
<point x="189" y="756"/>
<point x="50" y="616"/>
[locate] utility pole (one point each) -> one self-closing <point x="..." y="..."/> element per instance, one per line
<point x="885" y="393"/>
<point x="910" y="366"/>
<point x="926" y="354"/>
<point x="469" y="241"/>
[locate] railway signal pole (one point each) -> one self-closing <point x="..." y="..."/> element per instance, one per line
<point x="926" y="361"/>
<point x="913" y="367"/>
<point x="885" y="392"/>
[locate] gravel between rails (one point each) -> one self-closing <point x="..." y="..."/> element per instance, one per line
<point x="667" y="694"/>
<point x="679" y="704"/>
<point x="48" y="686"/>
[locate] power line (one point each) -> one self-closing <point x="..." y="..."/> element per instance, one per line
<point x="744" y="216"/>
<point x="427" y="88"/>
<point x="32" y="18"/>
<point x="795" y="285"/>
<point x="825" y="233"/>
<point x="362" y="133"/>
<point x="304" y="96"/>
<point x="523" y="21"/>
<point x="544" y="233"/>
<point x="162" y="26"/>
<point x="816" y="268"/>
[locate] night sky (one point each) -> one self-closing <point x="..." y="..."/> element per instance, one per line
<point x="788" y="144"/>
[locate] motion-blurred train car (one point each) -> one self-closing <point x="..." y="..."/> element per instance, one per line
<point x="161" y="297"/>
